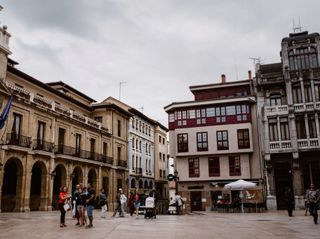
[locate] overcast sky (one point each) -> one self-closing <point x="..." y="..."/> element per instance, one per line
<point x="158" y="47"/>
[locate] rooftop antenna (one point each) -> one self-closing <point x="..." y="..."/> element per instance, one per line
<point x="256" y="61"/>
<point x="296" y="28"/>
<point x="120" y="84"/>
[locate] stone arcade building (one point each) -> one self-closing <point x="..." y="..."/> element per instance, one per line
<point x="55" y="136"/>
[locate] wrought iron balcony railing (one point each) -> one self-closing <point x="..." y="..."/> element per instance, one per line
<point x="39" y="144"/>
<point x="71" y="151"/>
<point x="18" y="139"/>
<point x="122" y="163"/>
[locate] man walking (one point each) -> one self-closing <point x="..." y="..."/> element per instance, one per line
<point x="123" y="201"/>
<point x="313" y="198"/>
<point x="90" y="203"/>
<point x="118" y="203"/>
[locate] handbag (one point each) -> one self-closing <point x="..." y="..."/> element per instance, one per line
<point x="67" y="205"/>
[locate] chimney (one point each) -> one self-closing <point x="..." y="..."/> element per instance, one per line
<point x="249" y="75"/>
<point x="223" y="78"/>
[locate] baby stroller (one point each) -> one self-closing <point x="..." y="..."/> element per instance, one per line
<point x="150" y="208"/>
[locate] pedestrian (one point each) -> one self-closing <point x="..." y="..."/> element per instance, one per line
<point x="289" y="201"/>
<point x="179" y="203"/>
<point x="90" y="203"/>
<point x="313" y="198"/>
<point x="131" y="203"/>
<point x="75" y="198"/>
<point x="63" y="197"/>
<point x="123" y="201"/>
<point x="102" y="203"/>
<point x="136" y="203"/>
<point x="118" y="204"/>
<point x="81" y="202"/>
<point x="306" y="207"/>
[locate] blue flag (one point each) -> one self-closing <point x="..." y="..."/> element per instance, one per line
<point x="5" y="112"/>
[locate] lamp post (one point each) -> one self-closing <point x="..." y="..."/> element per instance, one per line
<point x="176" y="179"/>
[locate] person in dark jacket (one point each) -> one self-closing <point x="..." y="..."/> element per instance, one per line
<point x="289" y="201"/>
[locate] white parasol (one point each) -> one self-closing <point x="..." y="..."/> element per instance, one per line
<point x="240" y="185"/>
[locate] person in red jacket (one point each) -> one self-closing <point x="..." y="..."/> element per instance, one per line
<point x="63" y="196"/>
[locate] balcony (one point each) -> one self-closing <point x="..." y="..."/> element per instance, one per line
<point x="280" y="145"/>
<point x="122" y="163"/>
<point x="18" y="140"/>
<point x="138" y="170"/>
<point x="276" y="110"/>
<point x="106" y="159"/>
<point x="308" y="143"/>
<point x="43" y="145"/>
<point x="74" y="152"/>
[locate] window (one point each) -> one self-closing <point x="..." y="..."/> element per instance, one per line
<point x="242" y="112"/>
<point x="98" y="119"/>
<point x="119" y="128"/>
<point x="307" y="92"/>
<point x="312" y="126"/>
<point x="16" y="126"/>
<point x="231" y="110"/>
<point x="211" y="112"/>
<point x="160" y="156"/>
<point x="92" y="145"/>
<point x="284" y="129"/>
<point x="222" y="140"/>
<point x="214" y="166"/>
<point x="133" y="140"/>
<point x="133" y="162"/>
<point x="40" y="134"/>
<point x="243" y="139"/>
<point x="61" y="135"/>
<point x="105" y="149"/>
<point x="301" y="127"/>
<point x="78" y="144"/>
<point x="119" y="153"/>
<point x="201" y="116"/>
<point x="171" y="117"/>
<point x="221" y="114"/>
<point x="164" y="140"/>
<point x="160" y="139"/>
<point x="275" y="99"/>
<point x="296" y="93"/>
<point x="202" y="141"/>
<point x="234" y="166"/>
<point x="192" y="114"/>
<point x="119" y="183"/>
<point x="160" y="173"/>
<point x="182" y="143"/>
<point x="181" y="116"/>
<point x="303" y="58"/>
<point x="194" y="167"/>
<point x="273" y="130"/>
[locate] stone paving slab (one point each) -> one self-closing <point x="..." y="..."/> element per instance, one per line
<point x="277" y="224"/>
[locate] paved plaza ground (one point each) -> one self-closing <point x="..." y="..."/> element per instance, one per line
<point x="45" y="225"/>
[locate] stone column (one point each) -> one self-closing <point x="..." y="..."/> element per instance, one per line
<point x="50" y="183"/>
<point x="26" y="183"/>
<point x="2" y="157"/>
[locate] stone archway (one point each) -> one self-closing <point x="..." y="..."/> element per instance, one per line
<point x="140" y="184"/>
<point x="38" y="189"/>
<point x="60" y="180"/>
<point x="12" y="186"/>
<point x="146" y="184"/>
<point x="150" y="184"/>
<point x="92" y="178"/>
<point x="76" y="177"/>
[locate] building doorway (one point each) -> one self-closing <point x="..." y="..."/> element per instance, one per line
<point x="38" y="198"/>
<point x="60" y="176"/>
<point x="283" y="180"/>
<point x="12" y="186"/>
<point x="196" y="204"/>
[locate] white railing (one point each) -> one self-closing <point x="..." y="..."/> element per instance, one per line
<point x="309" y="106"/>
<point x="277" y="110"/>
<point x="280" y="145"/>
<point x="308" y="143"/>
<point x="299" y="107"/>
